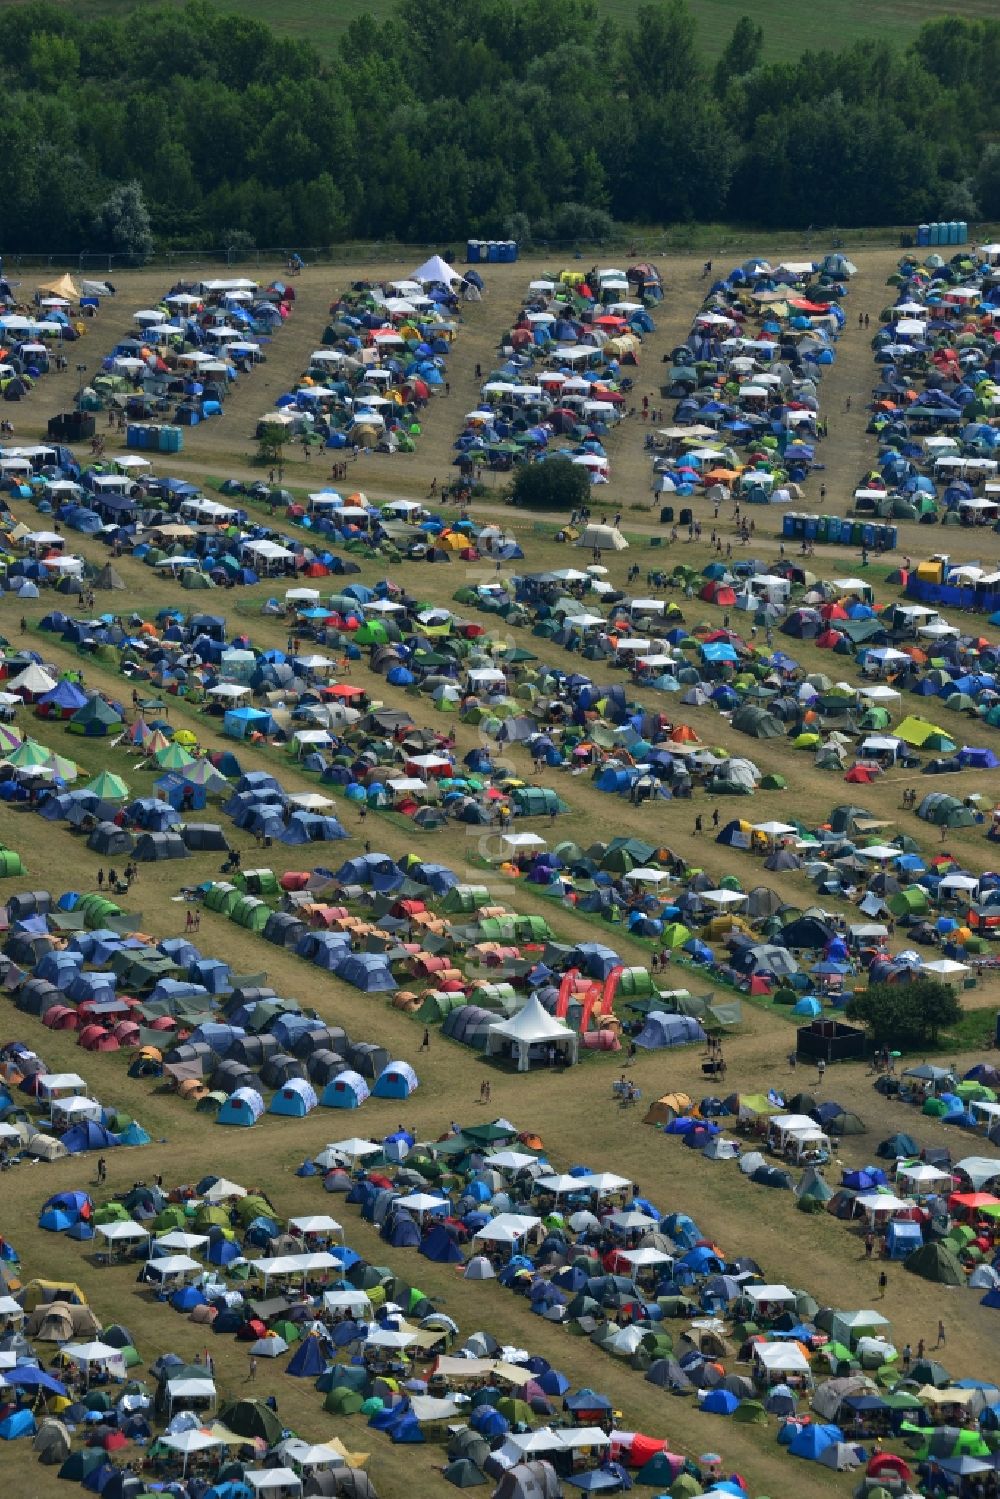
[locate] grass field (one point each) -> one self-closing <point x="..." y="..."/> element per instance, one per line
<point x="790" y="28"/>
<point x="573" y="1113"/>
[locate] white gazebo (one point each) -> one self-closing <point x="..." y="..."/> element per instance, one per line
<point x="529" y="1034"/>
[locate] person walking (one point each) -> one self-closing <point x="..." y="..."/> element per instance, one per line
<point x="102" y="1170"/>
<point x="883" y="1283"/>
<point x="252" y="1373"/>
<point x="425" y="1044"/>
<point x="869" y="1244"/>
<point x="941" y="1339"/>
<point x="820" y="1070"/>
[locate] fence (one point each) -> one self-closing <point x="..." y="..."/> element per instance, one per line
<point x="681" y="239"/>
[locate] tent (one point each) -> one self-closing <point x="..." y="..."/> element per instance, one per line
<point x="436" y="270"/>
<point x="662" y="1030"/>
<point x="398" y="1080"/>
<point x="602" y="538"/>
<point x="529" y="1034"/>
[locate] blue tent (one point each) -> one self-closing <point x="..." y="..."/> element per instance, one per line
<point x="398" y="1080"/>
<point x="21" y="1423"/>
<point x="295" y="1099"/>
<point x="367" y="971"/>
<point x="813" y="1440"/>
<point x="438" y="1245"/>
<point x="346" y="1091"/>
<point x="662" y="1030"/>
<point x="720" y="1403"/>
<point x="307" y="1362"/>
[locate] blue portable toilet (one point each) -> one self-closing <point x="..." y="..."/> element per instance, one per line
<point x="923" y="234"/>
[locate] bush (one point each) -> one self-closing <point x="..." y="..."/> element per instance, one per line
<point x="575" y="221"/>
<point x="903" y="1014"/>
<point x="556" y="484"/>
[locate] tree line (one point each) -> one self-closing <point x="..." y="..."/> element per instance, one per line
<point x="532" y="119"/>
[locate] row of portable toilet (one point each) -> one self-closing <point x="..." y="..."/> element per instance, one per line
<point x="151" y="437"/>
<point x="494" y="251"/>
<point x="843" y="529"/>
<point x="956" y="232"/>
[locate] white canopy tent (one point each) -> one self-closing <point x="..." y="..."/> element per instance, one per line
<point x="531" y="1032"/>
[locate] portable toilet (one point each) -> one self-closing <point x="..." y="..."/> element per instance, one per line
<point x="923" y="234"/>
<point x="935" y="237"/>
<point x="953" y="232"/>
<point x="963" y="232"/>
<point x="472" y="252"/>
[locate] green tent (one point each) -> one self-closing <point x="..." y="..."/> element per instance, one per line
<point x="750" y="1413"/>
<point x="674" y="935"/>
<point x="252" y="1418"/>
<point x="95" y="719"/>
<point x="109" y="787"/>
<point x="910" y="901"/>
<point x="943" y="810"/>
<point x="465" y="898"/>
<point x="10" y="864"/>
<point x="251" y="913"/>
<point x="173" y="757"/>
<point x="536" y="801"/>
<point x="936" y="1262"/>
<point x="263" y="882"/>
<point x="221" y="897"/>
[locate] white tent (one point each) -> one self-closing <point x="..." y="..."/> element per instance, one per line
<point x="436" y="269"/>
<point x="606" y="538"/>
<point x="532" y="1027"/>
<point x="187" y="1442"/>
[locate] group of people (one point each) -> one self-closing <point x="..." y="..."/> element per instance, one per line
<point x="119" y="884"/>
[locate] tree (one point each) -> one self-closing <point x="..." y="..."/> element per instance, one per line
<point x="271" y="447"/>
<point x="556" y="484"/>
<point x="742" y="53"/>
<point x="902" y="1014"/>
<point x="122" y="225"/>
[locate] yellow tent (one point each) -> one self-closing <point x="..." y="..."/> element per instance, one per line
<point x="38" y="1291"/>
<point x="64" y="287"/>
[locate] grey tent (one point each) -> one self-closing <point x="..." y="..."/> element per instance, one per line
<point x="340" y="1483"/>
<point x="109" y="839"/>
<point x="757" y="722"/>
<point x="108" y="579"/>
<point x="201" y="837"/>
<point x="535" y="1480"/>
<point x="151" y="847"/>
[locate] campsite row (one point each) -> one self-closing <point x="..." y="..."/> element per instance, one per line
<point x="746" y="382"/>
<point x="937" y="1216"/>
<point x="383" y="355"/>
<point x="590" y="1254"/>
<point x="932" y="413"/>
<point x="176" y="370"/>
<point x="225" y="1044"/>
<point x="559" y="386"/>
<point x="602" y="1261"/>
<point x="32" y="334"/>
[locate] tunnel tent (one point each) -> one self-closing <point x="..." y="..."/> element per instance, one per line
<point x="943" y="810"/>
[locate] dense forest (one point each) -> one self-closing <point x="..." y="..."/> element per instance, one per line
<point x="531" y="118"/>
